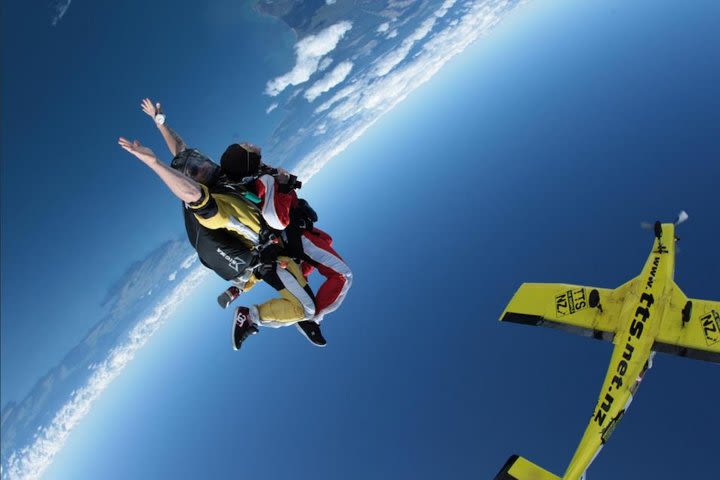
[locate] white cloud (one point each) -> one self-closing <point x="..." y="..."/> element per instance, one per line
<point x="392" y="34"/>
<point x="31" y="461"/>
<point x="343" y="93"/>
<point x="307" y="167"/>
<point x="271" y="108"/>
<point x="308" y="53"/>
<point x="357" y="106"/>
<point x="60" y="9"/>
<point x="330" y="2"/>
<point x="400" y="3"/>
<point x="335" y="77"/>
<point x="325" y="63"/>
<point x="390" y="60"/>
<point x="447" y="5"/>
<point x="172" y="276"/>
<point x="294" y="94"/>
<point x="320" y="129"/>
<point x="393" y="58"/>
<point x="383" y="27"/>
<point x="189" y="261"/>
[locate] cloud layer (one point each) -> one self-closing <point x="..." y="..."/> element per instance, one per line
<point x="31" y="461"/>
<point x="308" y="53"/>
<point x="325" y="84"/>
<point x="427" y="35"/>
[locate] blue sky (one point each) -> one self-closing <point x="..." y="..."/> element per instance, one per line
<point x="531" y="156"/>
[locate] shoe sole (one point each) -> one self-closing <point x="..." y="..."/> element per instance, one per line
<point x="223" y="301"/>
<point x="232" y="335"/>
<point x="302" y="332"/>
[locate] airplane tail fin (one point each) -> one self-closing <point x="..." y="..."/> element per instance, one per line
<point x="519" y="468"/>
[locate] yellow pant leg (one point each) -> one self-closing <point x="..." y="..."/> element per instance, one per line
<point x="286" y="309"/>
<point x="295" y="303"/>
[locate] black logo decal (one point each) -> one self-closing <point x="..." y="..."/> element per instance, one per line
<point x="233" y="262"/>
<point x="570" y="302"/>
<point x="711" y="326"/>
<point x="653" y="272"/>
<point x="661" y="249"/>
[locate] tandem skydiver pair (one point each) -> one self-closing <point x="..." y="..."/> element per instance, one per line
<point x="247" y="224"/>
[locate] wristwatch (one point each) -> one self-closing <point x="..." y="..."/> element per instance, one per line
<point x="160" y="119"/>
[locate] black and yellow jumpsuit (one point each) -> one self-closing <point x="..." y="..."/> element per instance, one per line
<point x="226" y="211"/>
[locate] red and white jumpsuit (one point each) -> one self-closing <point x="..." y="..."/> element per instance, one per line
<point x="316" y="246"/>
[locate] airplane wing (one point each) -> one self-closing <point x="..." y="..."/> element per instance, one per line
<point x="520" y="468"/>
<point x="572" y="308"/>
<point x="698" y="336"/>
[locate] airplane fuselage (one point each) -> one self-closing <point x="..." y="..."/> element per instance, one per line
<point x="641" y="316"/>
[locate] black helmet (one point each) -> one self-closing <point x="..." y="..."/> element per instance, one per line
<point x="240" y="161"/>
<point x="197" y="166"/>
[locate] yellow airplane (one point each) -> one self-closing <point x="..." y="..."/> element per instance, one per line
<point x="648" y="314"/>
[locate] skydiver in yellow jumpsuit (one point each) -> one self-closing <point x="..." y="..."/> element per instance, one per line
<point x="216" y="211"/>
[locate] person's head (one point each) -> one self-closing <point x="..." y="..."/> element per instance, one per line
<point x="197" y="166"/>
<point x="241" y="160"/>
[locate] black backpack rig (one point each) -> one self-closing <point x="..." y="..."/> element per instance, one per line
<point x="225" y="254"/>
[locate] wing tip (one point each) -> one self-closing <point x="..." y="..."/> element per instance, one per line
<point x="520" y="468"/>
<point x="693" y="353"/>
<point x="522" y="318"/>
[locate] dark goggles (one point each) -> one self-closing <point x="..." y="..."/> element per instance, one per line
<point x="195" y="165"/>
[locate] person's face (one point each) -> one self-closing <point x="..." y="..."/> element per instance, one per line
<point x="201" y="172"/>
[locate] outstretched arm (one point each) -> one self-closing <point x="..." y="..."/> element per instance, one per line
<point x="174" y="142"/>
<point x="185" y="188"/>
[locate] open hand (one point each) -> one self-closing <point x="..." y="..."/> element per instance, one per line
<point x="151" y="110"/>
<point x="146" y="155"/>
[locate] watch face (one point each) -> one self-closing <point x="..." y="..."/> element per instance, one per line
<point x="160" y="119"/>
